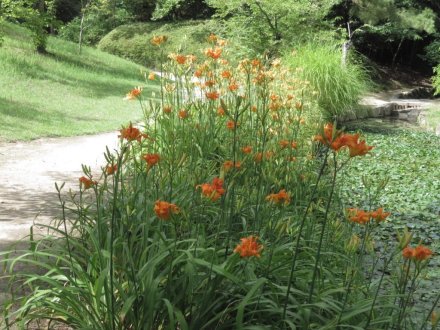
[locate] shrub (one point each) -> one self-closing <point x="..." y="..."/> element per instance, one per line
<point x="338" y="87"/>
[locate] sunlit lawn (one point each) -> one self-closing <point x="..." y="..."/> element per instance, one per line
<point x="62" y="93"/>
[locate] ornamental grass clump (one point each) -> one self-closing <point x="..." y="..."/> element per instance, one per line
<point x="224" y="218"/>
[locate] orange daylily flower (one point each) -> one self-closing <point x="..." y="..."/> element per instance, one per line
<point x="247" y="149"/>
<point x="258" y="157"/>
<point x="209" y="83"/>
<point x="151" y="159"/>
<point x="337" y="140"/>
<point x="133" y="94"/>
<point x="419" y="253"/>
<point x="422" y="253"/>
<point x="231" y="125"/>
<point x="379" y="215"/>
<point x="220" y="111"/>
<point x="226" y="74"/>
<point x="285" y="143"/>
<point x="183" y="114"/>
<point x="256" y="63"/>
<point x="212" y="190"/>
<point x="233" y="87"/>
<point x="212" y="95"/>
<point x="229" y="164"/>
<point x="214" y="53"/>
<point x="358" y="148"/>
<point x="151" y="76"/>
<point x="164" y="210"/>
<point x="131" y="133"/>
<point x="359" y="216"/>
<point x="179" y="58"/>
<point x="212" y="38"/>
<point x="167" y="109"/>
<point x="328" y="136"/>
<point x="158" y="40"/>
<point x="281" y="197"/>
<point x="249" y="247"/>
<point x="86" y="182"/>
<point x="111" y="169"/>
<point x="408" y="252"/>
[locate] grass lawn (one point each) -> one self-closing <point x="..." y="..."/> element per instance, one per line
<point x="62" y="93"/>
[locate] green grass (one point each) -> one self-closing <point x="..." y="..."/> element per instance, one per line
<point x="338" y="87"/>
<point x="62" y="93"/>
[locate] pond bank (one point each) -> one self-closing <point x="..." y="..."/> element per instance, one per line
<point x="394" y="105"/>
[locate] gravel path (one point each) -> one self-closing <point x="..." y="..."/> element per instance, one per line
<point x="28" y="171"/>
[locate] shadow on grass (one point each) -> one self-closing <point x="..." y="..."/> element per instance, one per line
<point x="86" y="81"/>
<point x="30" y="114"/>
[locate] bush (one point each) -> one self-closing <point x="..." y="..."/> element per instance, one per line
<point x="433" y="52"/>
<point x="338" y="87"/>
<point x="132" y="41"/>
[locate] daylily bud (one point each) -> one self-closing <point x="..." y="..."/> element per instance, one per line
<point x="353" y="244"/>
<point x="404" y="239"/>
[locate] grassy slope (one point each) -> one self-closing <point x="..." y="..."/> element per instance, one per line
<point x="62" y="93"/>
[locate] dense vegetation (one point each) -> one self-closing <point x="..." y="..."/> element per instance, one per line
<point x="236" y="203"/>
<point x="221" y="213"/>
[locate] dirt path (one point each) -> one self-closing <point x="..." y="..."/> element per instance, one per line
<point x="28" y="171"/>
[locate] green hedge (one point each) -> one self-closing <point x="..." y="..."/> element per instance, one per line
<point x="132" y="41"/>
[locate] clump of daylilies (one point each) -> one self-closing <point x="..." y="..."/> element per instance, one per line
<point x="254" y="109"/>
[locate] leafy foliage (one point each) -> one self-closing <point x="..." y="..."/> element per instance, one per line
<point x="264" y="26"/>
<point x="37" y="15"/>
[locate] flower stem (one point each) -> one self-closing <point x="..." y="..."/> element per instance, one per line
<point x="301" y="228"/>
<point x="324" y="225"/>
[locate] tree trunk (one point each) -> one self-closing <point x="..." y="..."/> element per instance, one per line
<point x="41" y="35"/>
<point x="397" y="52"/>
<point x="81" y="30"/>
<point x="346" y="46"/>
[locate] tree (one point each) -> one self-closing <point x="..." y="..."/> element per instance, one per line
<point x="85" y="4"/>
<point x="391" y="20"/>
<point x="266" y="24"/>
<point x="37" y="15"/>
